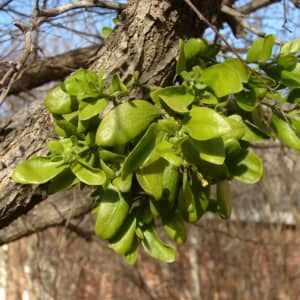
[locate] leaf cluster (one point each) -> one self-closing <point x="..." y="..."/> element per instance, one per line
<point x="156" y="160"/>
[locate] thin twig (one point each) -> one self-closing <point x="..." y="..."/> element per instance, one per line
<point x="255" y="5"/>
<point x="14" y="71"/>
<point x="80" y="4"/>
<point x="215" y="30"/>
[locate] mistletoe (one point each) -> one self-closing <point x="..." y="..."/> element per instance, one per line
<point x="154" y="161"/>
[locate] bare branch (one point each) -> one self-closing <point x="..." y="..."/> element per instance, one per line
<point x="53" y="68"/>
<point x="80" y="4"/>
<point x="255" y="5"/>
<point x="5" y="3"/>
<point x="215" y="30"/>
<point x="13" y="72"/>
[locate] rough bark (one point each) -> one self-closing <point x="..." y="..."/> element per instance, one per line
<point x="147" y="41"/>
<point x="53" y="68"/>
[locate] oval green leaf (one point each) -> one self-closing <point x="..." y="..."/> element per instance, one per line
<point x="224" y="199"/>
<point x="154" y="246"/>
<point x="37" y="170"/>
<point x="285" y="132"/>
<point x="247" y="167"/>
<point x="83" y="84"/>
<point x="123" y="240"/>
<point x="175" y="227"/>
<point x="142" y="149"/>
<point x="291" y="47"/>
<point x="226" y="78"/>
<point x="261" y="49"/>
<point x="178" y="98"/>
<point x="125" y="122"/>
<point x="206" y="124"/>
<point x="88" y="174"/>
<point x="92" y="109"/>
<point x="59" y="102"/>
<point x="112" y="212"/>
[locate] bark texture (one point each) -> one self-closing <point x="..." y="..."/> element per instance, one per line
<point x="146" y="40"/>
<point x="53" y="68"/>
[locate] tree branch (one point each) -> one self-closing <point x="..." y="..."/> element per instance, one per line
<point x="80" y="4"/>
<point x="255" y="5"/>
<point x="58" y="210"/>
<point x="53" y="68"/>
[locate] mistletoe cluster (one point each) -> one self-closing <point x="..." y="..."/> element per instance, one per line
<point x="154" y="161"/>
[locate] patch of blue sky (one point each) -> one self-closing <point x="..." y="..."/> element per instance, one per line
<point x="62" y="35"/>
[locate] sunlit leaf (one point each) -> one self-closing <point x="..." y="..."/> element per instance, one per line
<point x="92" y="108"/>
<point x="284" y="132"/>
<point x="154" y="246"/>
<point x="125" y="122"/>
<point x="37" y="170"/>
<point x="88" y="174"/>
<point x="226" y="78"/>
<point x="261" y="49"/>
<point x="205" y="123"/>
<point x="247" y="167"/>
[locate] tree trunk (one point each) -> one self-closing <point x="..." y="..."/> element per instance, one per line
<point x="146" y="40"/>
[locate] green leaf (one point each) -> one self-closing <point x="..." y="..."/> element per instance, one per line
<point x="123" y="184"/>
<point x="205" y="124"/>
<point x="63" y="181"/>
<point x="170" y="180"/>
<point x="150" y="178"/>
<point x="212" y="150"/>
<point x="178" y="98"/>
<point x="284" y="132"/>
<point x="238" y="129"/>
<point x="153" y="245"/>
<point x="61" y="147"/>
<point x="175" y="228"/>
<point x="294" y="117"/>
<point x="246" y="100"/>
<point x="226" y="78"/>
<point x="83" y="84"/>
<point x="109" y="156"/>
<point x="37" y="170"/>
<point x="64" y="128"/>
<point x="247" y="167"/>
<point x="109" y="172"/>
<point x="131" y="256"/>
<point x="208" y="98"/>
<point x="253" y="134"/>
<point x="191" y="154"/>
<point x="106" y="31"/>
<point x="291" y="78"/>
<point x="287" y="62"/>
<point x="112" y="212"/>
<point x="123" y="240"/>
<point x="224" y="199"/>
<point x="192" y="199"/>
<point x="142" y="149"/>
<point x="125" y="122"/>
<point x="88" y="174"/>
<point x="92" y="108"/>
<point x="291" y="47"/>
<point x="194" y="47"/>
<point x="261" y="49"/>
<point x="294" y="96"/>
<point x="117" y="85"/>
<point x="59" y="102"/>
